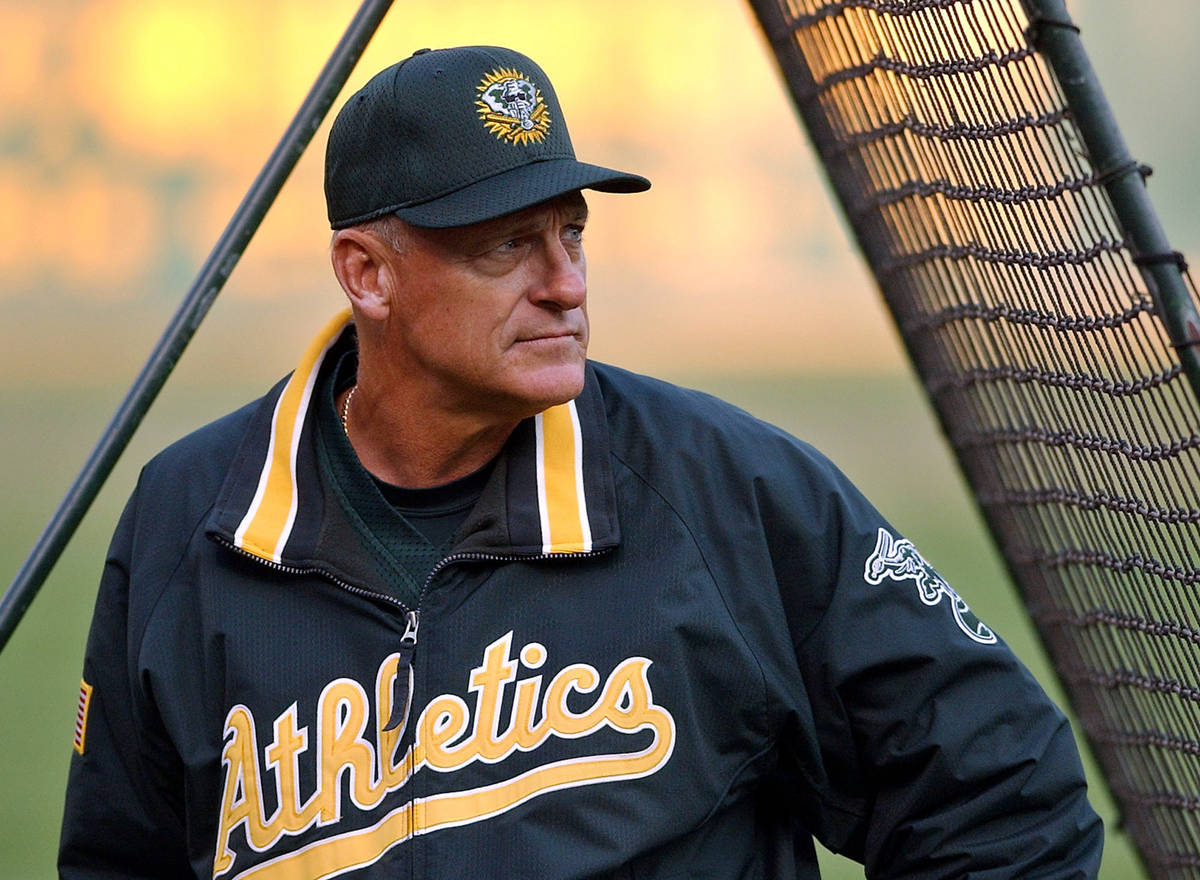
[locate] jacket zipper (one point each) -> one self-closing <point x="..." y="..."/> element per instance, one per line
<point x="408" y="647"/>
<point x="412" y="617"/>
<point x="408" y="642"/>
<point x="402" y="694"/>
<point x="447" y="561"/>
<point x="312" y="569"/>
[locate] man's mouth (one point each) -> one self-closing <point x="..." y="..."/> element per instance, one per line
<point x="549" y="337"/>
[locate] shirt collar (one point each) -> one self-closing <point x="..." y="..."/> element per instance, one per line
<point x="550" y="494"/>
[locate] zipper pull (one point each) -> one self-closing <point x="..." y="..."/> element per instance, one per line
<point x="404" y="670"/>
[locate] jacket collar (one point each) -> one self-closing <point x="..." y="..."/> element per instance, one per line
<point x="550" y="494"/>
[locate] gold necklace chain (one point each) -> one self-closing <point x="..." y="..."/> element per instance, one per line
<point x="346" y="410"/>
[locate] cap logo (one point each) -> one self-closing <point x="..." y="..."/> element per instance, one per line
<point x="512" y="108"/>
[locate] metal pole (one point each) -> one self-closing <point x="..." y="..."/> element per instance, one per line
<point x="183" y="325"/>
<point x="1056" y="37"/>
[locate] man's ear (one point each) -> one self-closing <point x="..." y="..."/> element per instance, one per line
<point x="362" y="266"/>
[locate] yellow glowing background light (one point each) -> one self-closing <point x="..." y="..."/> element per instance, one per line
<point x="143" y="121"/>
<point x="140" y="123"/>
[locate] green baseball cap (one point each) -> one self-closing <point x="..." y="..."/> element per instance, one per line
<point x="451" y="137"/>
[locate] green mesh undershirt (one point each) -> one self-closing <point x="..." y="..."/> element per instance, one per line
<point x="407" y="531"/>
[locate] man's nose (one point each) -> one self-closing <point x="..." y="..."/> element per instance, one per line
<point x="564" y="276"/>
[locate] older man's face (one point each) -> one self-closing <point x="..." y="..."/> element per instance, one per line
<point x="492" y="317"/>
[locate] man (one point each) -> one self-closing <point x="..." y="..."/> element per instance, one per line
<point x="452" y="601"/>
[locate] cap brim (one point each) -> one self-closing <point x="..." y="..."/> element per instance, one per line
<point x="516" y="190"/>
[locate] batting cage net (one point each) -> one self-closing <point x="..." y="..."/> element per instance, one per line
<point x="1054" y="334"/>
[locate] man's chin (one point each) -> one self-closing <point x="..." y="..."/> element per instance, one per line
<point x="551" y="386"/>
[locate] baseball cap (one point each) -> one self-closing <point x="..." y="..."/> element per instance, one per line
<point x="451" y="137"/>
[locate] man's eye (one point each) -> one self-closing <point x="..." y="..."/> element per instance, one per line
<point x="574" y="234"/>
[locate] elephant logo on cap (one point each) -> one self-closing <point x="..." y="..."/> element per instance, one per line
<point x="512" y="108"/>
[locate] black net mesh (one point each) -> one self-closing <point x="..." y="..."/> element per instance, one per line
<point x="996" y="246"/>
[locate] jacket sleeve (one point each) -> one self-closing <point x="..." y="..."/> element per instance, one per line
<point x="123" y="814"/>
<point x="938" y="753"/>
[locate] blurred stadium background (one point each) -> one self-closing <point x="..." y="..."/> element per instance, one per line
<point x="130" y="129"/>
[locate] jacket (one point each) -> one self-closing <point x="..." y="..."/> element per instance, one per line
<point x="671" y="641"/>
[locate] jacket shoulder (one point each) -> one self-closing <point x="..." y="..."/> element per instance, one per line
<point x="180" y="486"/>
<point x="632" y="395"/>
<point x="737" y="481"/>
<point x="650" y="419"/>
<point x="203" y="457"/>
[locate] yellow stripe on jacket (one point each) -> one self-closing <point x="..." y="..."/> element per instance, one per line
<point x="265" y="528"/>
<point x="562" y="501"/>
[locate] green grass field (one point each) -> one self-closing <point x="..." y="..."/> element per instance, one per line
<point x="879" y="430"/>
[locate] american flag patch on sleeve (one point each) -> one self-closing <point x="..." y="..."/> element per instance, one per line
<point x="81" y="715"/>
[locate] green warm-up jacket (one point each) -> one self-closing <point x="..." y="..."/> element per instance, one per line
<point x="671" y="641"/>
